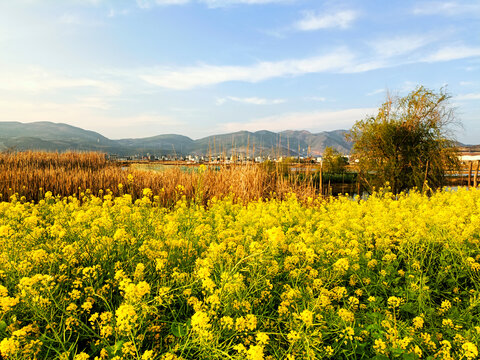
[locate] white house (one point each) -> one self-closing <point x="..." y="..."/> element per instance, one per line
<point x="469" y="157"/>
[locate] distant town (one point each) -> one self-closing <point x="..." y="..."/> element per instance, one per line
<point x="227" y="159"/>
<point x="235" y="159"/>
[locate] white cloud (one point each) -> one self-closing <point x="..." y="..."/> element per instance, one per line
<point x="35" y="79"/>
<point x="448" y="8"/>
<point x="202" y="75"/>
<point x="448" y="53"/>
<point x="316" y="21"/>
<point x="224" y="3"/>
<point x="250" y="100"/>
<point x="146" y="4"/>
<point x="341" y="60"/>
<point x="114" y="13"/>
<point x="93" y="2"/>
<point x="94" y="102"/>
<point x="359" y="67"/>
<point x="468" y="97"/>
<point x="314" y="121"/>
<point x="399" y="45"/>
<point x="77" y="19"/>
<point x="407" y="86"/>
<point x="83" y="115"/>
<point x="316" y="98"/>
<point x="375" y="92"/>
<point x="70" y="19"/>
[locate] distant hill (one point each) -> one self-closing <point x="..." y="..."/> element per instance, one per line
<point x="160" y="144"/>
<point x="271" y="143"/>
<point x="50" y="136"/>
<point x="469" y="148"/>
<point x="318" y="142"/>
<point x="61" y="137"/>
<point x="50" y="131"/>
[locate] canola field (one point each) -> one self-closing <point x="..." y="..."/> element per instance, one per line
<point x="108" y="278"/>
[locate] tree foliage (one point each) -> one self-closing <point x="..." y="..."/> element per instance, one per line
<point x="333" y="161"/>
<point x="408" y="142"/>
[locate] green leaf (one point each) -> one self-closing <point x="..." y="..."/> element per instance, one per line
<point x="374" y="329"/>
<point x="360" y="348"/>
<point x="118" y="346"/>
<point x="409" y="356"/>
<point x="397" y="352"/>
<point x="115" y="349"/>
<point x="374" y="316"/>
<point x="3" y="326"/>
<point x="380" y="357"/>
<point x="180" y="329"/>
<point x="409" y="308"/>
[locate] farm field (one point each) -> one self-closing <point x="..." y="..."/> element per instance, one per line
<point x="239" y="180"/>
<point x="106" y="277"/>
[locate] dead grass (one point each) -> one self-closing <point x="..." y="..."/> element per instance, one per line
<point x="31" y="174"/>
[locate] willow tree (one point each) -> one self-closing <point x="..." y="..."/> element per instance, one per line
<point x="333" y="161"/>
<point x="408" y="143"/>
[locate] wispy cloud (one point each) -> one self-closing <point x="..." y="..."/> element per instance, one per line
<point x="202" y="75"/>
<point x="316" y="98"/>
<point x="361" y="66"/>
<point x="468" y="97"/>
<point x="224" y="3"/>
<point x="112" y="13"/>
<point x="441" y="54"/>
<point x="70" y="19"/>
<point x="94" y="102"/>
<point x="406" y="87"/>
<point x="375" y="92"/>
<point x="448" y="53"/>
<point x="250" y="100"/>
<point x="315" y="21"/>
<point x="314" y="121"/>
<point x="35" y="79"/>
<point x="147" y="4"/>
<point x="82" y="114"/>
<point x="448" y="8"/>
<point x="341" y="60"/>
<point x="76" y="19"/>
<point x="471" y="68"/>
<point x="400" y="45"/>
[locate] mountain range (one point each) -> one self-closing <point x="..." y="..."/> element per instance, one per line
<point x="50" y="136"/>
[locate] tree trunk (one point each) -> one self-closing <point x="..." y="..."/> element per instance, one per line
<point x="321" y="179"/>
<point x="475" y="176"/>
<point x="425" y="179"/>
<point x="470" y="174"/>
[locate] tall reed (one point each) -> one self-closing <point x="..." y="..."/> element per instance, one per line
<point x="32" y="174"/>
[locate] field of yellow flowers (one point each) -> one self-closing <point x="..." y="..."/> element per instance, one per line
<point x="109" y="278"/>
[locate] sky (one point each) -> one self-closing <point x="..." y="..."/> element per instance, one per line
<point x="138" y="68"/>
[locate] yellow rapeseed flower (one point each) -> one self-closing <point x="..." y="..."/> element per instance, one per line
<point x="470" y="350"/>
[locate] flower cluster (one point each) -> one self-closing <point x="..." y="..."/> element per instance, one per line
<point x="109" y="278"/>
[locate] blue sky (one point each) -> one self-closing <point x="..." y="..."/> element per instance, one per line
<point x="129" y="68"/>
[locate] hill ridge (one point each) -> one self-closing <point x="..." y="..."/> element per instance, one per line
<point x="50" y="136"/>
